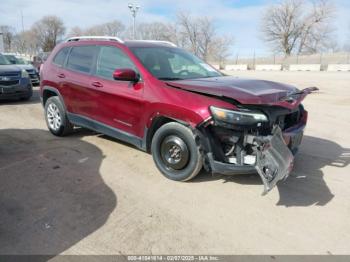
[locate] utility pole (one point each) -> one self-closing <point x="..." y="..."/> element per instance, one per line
<point x="1" y="41"/>
<point x="133" y="9"/>
<point x="22" y="21"/>
<point x="254" y="60"/>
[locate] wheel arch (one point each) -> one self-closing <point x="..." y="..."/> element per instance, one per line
<point x="48" y="92"/>
<point x="156" y="123"/>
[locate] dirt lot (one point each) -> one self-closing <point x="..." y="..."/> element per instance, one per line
<point x="89" y="194"/>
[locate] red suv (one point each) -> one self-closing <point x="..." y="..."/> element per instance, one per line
<point x="168" y="102"/>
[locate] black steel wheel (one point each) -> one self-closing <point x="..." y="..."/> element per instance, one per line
<point x="176" y="153"/>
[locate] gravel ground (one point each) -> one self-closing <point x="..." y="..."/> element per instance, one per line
<point x="89" y="194"/>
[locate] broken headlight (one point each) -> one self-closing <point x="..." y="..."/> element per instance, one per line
<point x="246" y="118"/>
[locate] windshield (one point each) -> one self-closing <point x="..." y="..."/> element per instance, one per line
<point x="15" y="60"/>
<point x="4" y="61"/>
<point x="173" y="63"/>
<point x="21" y="61"/>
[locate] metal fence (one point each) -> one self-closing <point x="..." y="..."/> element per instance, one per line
<point x="323" y="59"/>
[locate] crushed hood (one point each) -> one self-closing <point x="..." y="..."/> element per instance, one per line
<point x="244" y="91"/>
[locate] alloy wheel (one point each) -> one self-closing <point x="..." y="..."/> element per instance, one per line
<point x="53" y="117"/>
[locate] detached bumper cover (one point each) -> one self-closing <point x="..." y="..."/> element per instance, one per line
<point x="274" y="161"/>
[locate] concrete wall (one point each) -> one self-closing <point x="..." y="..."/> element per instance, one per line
<point x="268" y="67"/>
<point x="305" y="67"/>
<point x="236" y="67"/>
<point x="338" y="67"/>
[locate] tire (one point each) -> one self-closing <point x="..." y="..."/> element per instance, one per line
<point x="27" y="96"/>
<point x="176" y="153"/>
<point x="56" y="117"/>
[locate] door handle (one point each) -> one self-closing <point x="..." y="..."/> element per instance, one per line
<point x="97" y="84"/>
<point x="61" y="75"/>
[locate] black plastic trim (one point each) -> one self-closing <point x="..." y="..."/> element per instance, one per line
<point x="55" y="90"/>
<point x="229" y="169"/>
<point x="104" y="129"/>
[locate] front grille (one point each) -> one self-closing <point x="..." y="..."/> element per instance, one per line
<point x="10" y="74"/>
<point x="9" y="83"/>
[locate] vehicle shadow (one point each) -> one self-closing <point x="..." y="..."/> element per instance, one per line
<point x="35" y="99"/>
<point x="51" y="192"/>
<point x="306" y="185"/>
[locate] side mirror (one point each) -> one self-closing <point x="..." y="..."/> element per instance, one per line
<point x="125" y="74"/>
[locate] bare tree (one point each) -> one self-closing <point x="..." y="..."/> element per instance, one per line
<point x="76" y="31"/>
<point x="220" y="51"/>
<point x="189" y="29"/>
<point x="292" y="27"/>
<point x="154" y="31"/>
<point x="316" y="28"/>
<point x="26" y="42"/>
<point x="48" y="31"/>
<point x="114" y="28"/>
<point x="200" y="36"/>
<point x="346" y="45"/>
<point x="207" y="37"/>
<point x="8" y="36"/>
<point x="159" y="31"/>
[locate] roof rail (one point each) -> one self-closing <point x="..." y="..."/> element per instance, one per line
<point x="107" y="38"/>
<point x="157" y="41"/>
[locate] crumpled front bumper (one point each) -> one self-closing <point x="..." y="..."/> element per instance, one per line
<point x="274" y="159"/>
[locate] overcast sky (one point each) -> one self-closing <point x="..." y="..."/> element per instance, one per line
<point x="237" y="17"/>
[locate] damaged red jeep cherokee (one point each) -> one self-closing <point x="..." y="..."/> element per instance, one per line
<point x="170" y="103"/>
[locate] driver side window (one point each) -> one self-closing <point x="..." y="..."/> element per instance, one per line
<point x="110" y="59"/>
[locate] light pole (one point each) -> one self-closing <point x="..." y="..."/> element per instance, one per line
<point x="133" y="9"/>
<point x="2" y="49"/>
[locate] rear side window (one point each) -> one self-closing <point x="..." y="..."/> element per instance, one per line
<point x="60" y="57"/>
<point x="82" y="58"/>
<point x="110" y="59"/>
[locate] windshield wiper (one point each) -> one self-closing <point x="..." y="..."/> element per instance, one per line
<point x="170" y="78"/>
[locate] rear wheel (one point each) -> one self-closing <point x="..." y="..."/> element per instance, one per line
<point x="176" y="153"/>
<point x="56" y="118"/>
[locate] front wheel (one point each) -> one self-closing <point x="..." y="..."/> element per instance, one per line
<point x="28" y="95"/>
<point x="176" y="153"/>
